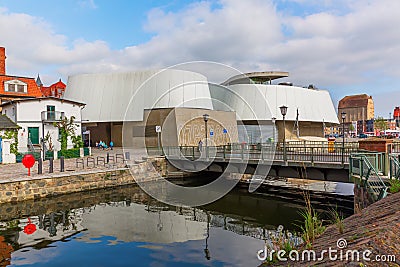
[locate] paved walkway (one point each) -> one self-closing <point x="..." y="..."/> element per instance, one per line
<point x="17" y="170"/>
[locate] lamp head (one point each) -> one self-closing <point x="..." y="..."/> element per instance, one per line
<point x="343" y="115"/>
<point x="205" y="117"/>
<point x="273" y="119"/>
<point x="283" y="110"/>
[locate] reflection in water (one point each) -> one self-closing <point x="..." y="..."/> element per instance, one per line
<point x="126" y="226"/>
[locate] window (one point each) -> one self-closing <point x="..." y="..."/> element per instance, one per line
<point x="11" y="87"/>
<point x="15" y="86"/>
<point x="51" y="113"/>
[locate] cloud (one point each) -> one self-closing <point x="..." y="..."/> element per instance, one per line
<point x="87" y="4"/>
<point x="345" y="44"/>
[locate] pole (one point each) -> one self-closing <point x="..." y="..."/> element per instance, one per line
<point x="158" y="142"/>
<point x="206" y="141"/>
<point x="343" y="141"/>
<point x="43" y="152"/>
<point x="284" y="139"/>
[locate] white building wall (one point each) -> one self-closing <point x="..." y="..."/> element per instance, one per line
<point x="108" y="95"/>
<point x="262" y="102"/>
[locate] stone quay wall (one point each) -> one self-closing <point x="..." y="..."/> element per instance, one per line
<point x="27" y="188"/>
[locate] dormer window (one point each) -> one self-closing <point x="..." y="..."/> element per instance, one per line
<point x="15" y="86"/>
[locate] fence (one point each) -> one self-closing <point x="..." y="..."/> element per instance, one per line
<point x="368" y="168"/>
<point x="291" y="151"/>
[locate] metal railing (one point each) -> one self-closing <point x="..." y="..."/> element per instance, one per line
<point x="369" y="167"/>
<point x="295" y="151"/>
<point x="52" y="116"/>
<point x="394" y="161"/>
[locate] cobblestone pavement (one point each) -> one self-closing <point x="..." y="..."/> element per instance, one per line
<point x="17" y="171"/>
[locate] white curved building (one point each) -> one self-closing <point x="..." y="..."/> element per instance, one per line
<point x="147" y="99"/>
<point x="107" y="95"/>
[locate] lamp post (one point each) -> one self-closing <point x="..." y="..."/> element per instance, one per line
<point x="273" y="119"/>
<point x="343" y="119"/>
<point x="283" y="112"/>
<point x="205" y="118"/>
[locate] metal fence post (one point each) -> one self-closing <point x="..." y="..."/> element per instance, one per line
<point x="51" y="165"/>
<point x="62" y="164"/>
<point x="40" y="166"/>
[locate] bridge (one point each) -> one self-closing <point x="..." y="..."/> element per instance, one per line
<point x="311" y="160"/>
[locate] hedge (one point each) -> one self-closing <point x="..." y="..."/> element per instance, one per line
<point x="69" y="153"/>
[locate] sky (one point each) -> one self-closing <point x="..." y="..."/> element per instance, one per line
<point x="343" y="46"/>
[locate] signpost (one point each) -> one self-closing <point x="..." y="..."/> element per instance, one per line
<point x="88" y="133"/>
<point x="28" y="160"/>
<point x="158" y="131"/>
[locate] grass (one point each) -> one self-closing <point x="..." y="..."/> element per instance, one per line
<point x="394" y="186"/>
<point x="337" y="219"/>
<point x="312" y="225"/>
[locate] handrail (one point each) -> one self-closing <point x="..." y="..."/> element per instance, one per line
<point x="377" y="187"/>
<point x="394" y="166"/>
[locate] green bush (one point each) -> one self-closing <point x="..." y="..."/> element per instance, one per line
<point x="394" y="186"/>
<point x="19" y="156"/>
<point x="69" y="153"/>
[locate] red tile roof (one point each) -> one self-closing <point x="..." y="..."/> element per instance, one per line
<point x="32" y="90"/>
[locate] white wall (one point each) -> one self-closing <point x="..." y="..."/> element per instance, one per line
<point x="108" y="95"/>
<point x="28" y="114"/>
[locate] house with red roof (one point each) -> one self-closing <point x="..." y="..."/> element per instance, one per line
<point x="15" y="87"/>
<point x="55" y="90"/>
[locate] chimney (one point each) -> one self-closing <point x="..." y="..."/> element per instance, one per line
<point x="2" y="61"/>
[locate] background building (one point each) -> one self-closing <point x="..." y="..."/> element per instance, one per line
<point x="55" y="90"/>
<point x="15" y="87"/>
<point x="359" y="108"/>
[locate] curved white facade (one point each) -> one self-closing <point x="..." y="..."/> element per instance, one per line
<point x="265" y="100"/>
<point x="108" y="96"/>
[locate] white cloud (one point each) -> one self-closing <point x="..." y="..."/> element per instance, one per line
<point x="354" y="46"/>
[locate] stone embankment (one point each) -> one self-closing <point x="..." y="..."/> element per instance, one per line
<point x="374" y="231"/>
<point x="45" y="185"/>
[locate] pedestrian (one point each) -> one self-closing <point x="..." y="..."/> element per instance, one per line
<point x="200" y="145"/>
<point x="111" y="145"/>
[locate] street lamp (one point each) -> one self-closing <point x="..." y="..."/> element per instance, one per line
<point x="343" y="119"/>
<point x="205" y="118"/>
<point x="273" y="119"/>
<point x="283" y="112"/>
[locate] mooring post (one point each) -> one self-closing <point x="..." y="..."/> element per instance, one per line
<point x="51" y="165"/>
<point x="62" y="168"/>
<point x="40" y="166"/>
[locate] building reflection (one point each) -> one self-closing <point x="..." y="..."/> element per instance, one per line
<point x="129" y="215"/>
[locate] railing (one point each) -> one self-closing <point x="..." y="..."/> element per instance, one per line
<point x="396" y="147"/>
<point x="394" y="161"/>
<point x="369" y="172"/>
<point x="295" y="152"/>
<point x="51" y="116"/>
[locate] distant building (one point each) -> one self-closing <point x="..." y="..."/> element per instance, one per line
<point x="55" y="90"/>
<point x="358" y="108"/>
<point x="15" y="87"/>
<point x="396" y="116"/>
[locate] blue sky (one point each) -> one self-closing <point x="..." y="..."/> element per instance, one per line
<point x="346" y="47"/>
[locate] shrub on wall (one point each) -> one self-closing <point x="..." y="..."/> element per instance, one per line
<point x="12" y="134"/>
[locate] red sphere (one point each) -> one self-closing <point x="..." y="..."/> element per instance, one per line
<point x="28" y="160"/>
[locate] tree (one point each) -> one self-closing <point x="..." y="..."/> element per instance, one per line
<point x="380" y="123"/>
<point x="67" y="128"/>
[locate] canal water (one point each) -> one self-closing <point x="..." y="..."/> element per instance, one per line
<point x="125" y="227"/>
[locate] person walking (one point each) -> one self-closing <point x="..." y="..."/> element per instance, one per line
<point x="111" y="145"/>
<point x="200" y="145"/>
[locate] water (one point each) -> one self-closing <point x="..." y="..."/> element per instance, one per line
<point x="125" y="227"/>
